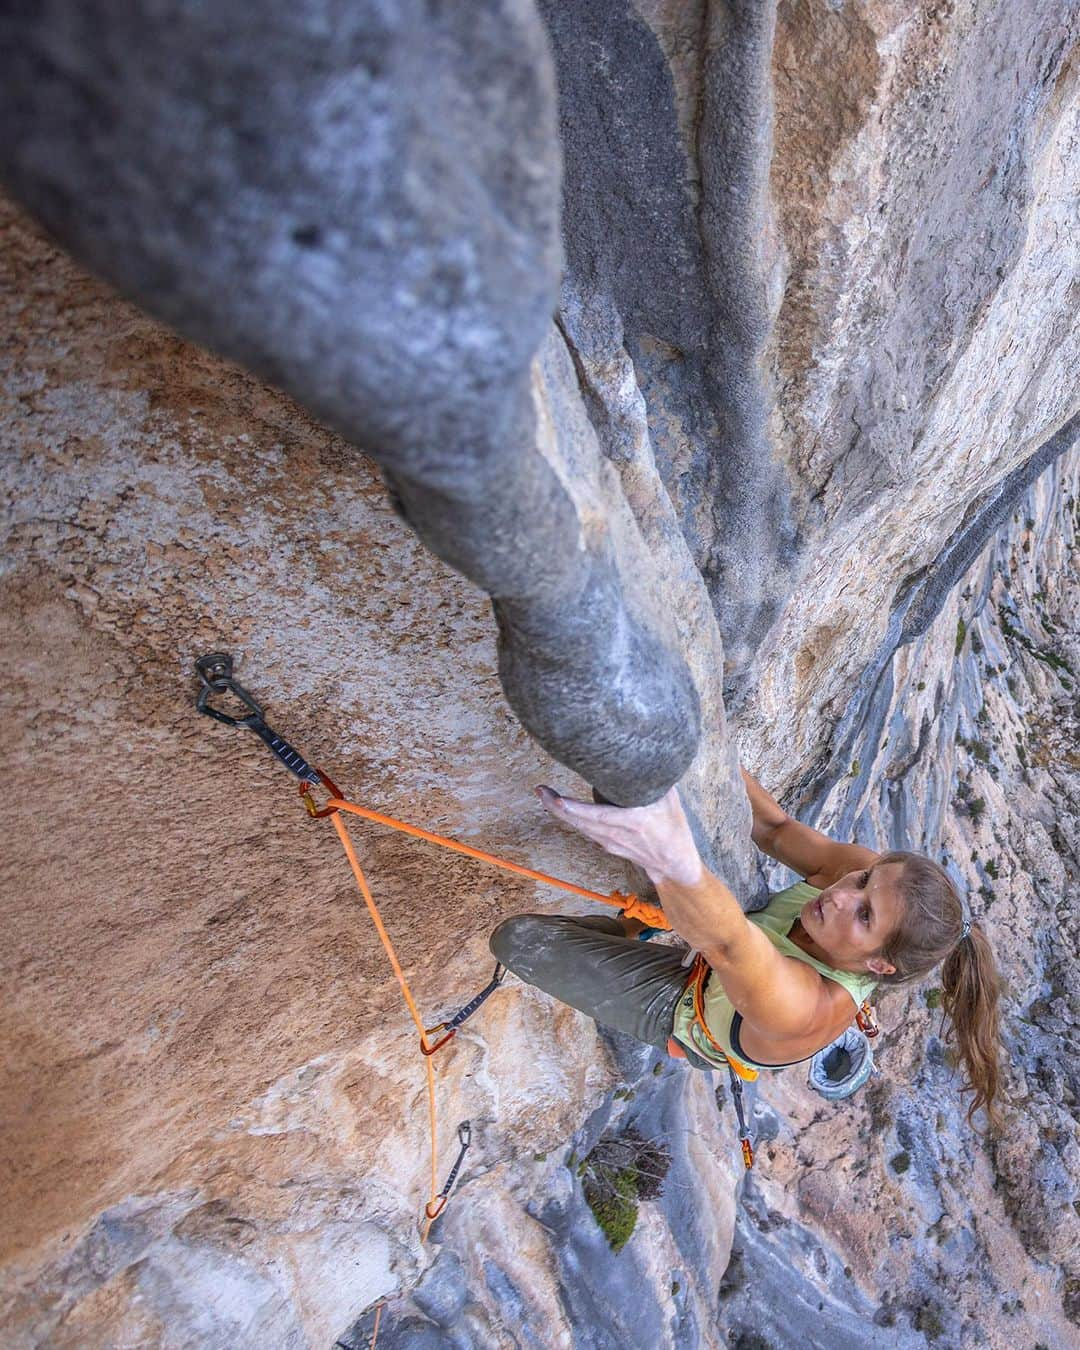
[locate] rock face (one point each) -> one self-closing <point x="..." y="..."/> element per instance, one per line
<point x="860" y="218"/>
<point x="272" y="186"/>
<point x="968" y="751"/>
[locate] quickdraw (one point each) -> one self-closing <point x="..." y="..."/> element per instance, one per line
<point x="215" y="671"/>
<point x="436" y="1207"/>
<point x="745" y="1137"/>
<point x="463" y="1014"/>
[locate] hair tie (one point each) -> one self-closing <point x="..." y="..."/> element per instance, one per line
<point x="966" y="930"/>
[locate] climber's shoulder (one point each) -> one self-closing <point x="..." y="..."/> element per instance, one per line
<point x="828" y="1011"/>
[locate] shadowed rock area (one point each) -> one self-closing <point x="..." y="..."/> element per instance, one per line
<point x="790" y="416"/>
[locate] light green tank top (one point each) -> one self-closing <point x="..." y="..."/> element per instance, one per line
<point x="776" y="920"/>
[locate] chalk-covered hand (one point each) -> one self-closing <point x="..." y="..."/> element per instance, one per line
<point x="657" y="837"/>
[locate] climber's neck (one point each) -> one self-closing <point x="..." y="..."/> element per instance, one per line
<point x="802" y="939"/>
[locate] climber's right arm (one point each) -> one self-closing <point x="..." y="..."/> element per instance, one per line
<point x="784" y="1000"/>
<point x="813" y="855"/>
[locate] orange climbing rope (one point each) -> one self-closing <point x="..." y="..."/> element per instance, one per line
<point x="215" y="671"/>
<point x="433" y="1208"/>
<point x="631" y="905"/>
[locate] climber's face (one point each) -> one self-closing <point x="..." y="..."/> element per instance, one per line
<point x="852" y="919"/>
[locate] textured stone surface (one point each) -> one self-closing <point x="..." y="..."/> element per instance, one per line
<point x="668" y="262"/>
<point x="272" y="184"/>
<point x="214" y="1101"/>
<point x="213" y="1105"/>
<point x="969" y="752"/>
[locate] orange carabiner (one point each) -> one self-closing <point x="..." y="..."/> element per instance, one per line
<point x="431" y="1031"/>
<point x="309" y="801"/>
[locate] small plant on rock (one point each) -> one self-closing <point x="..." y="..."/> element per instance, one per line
<point x="620" y="1172"/>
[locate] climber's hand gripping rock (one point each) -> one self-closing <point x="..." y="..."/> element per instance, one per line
<point x="656" y="837"/>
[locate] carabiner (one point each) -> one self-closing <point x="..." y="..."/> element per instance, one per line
<point x="307" y="784"/>
<point x="429" y="1050"/>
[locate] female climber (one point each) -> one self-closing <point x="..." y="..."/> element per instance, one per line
<point x="784" y="982"/>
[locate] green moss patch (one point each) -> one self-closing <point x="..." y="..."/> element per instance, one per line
<point x="619" y="1173"/>
<point x="613" y="1201"/>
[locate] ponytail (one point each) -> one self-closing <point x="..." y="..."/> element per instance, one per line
<point x="969" y="996"/>
<point x="932" y="929"/>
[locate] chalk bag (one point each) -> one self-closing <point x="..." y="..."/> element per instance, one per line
<point x="842" y="1067"/>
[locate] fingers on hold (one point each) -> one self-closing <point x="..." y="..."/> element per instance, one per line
<point x="584" y="811"/>
<point x="550" y="800"/>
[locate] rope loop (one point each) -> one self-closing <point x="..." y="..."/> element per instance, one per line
<point x="652" y="916"/>
<point x="337" y="809"/>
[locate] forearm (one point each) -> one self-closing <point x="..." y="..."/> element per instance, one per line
<point x="704" y="913"/>
<point x="769" y="815"/>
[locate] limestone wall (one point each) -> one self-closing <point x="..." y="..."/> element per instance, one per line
<point x="213" y="1109"/>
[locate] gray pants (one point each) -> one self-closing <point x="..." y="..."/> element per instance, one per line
<point x="589" y="964"/>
